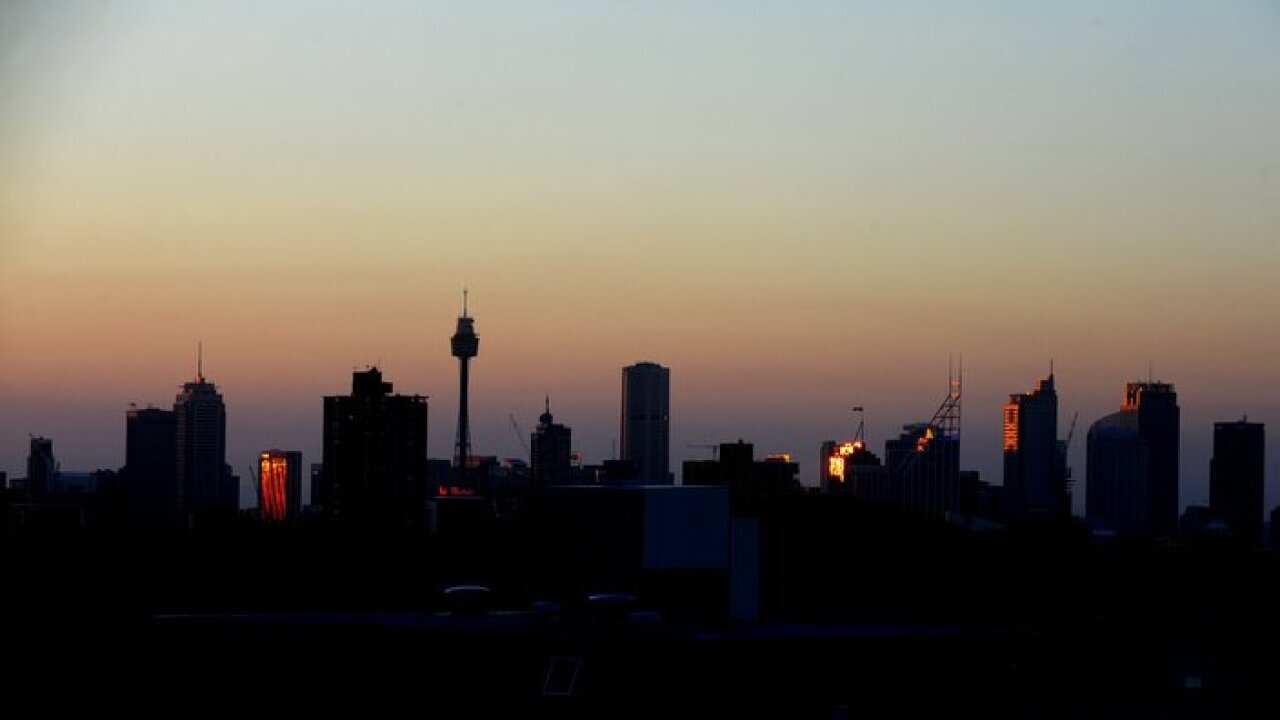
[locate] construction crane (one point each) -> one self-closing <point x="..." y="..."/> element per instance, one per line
<point x="715" y="450"/>
<point x="860" y="431"/>
<point x="257" y="481"/>
<point x="1063" y="447"/>
<point x="520" y="434"/>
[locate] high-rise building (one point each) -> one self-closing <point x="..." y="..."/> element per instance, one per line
<point x="1236" y="474"/>
<point x="201" y="450"/>
<point x="645" y="424"/>
<point x="551" y="452"/>
<point x="1035" y="479"/>
<point x="151" y="483"/>
<point x="42" y="468"/>
<point x="924" y="466"/>
<point x="374" y="469"/>
<point x="1159" y="424"/>
<point x="849" y="468"/>
<point x="465" y="344"/>
<point x="1117" y="496"/>
<point x="1132" y="483"/>
<point x="280" y="485"/>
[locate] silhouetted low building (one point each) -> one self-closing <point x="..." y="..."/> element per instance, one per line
<point x="671" y="540"/>
<point x="317" y="480"/>
<point x="1199" y="521"/>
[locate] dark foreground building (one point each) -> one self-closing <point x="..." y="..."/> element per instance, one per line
<point x="1236" y="474"/>
<point x="150" y="473"/>
<point x="374" y="470"/>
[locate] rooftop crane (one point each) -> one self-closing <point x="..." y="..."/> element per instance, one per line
<point x="520" y="434"/>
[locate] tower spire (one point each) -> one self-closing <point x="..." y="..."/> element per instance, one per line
<point x="464" y="345"/>
<point x="200" y="361"/>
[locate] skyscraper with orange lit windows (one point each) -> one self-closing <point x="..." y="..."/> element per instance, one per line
<point x="1035" y="482"/>
<point x="280" y="485"/>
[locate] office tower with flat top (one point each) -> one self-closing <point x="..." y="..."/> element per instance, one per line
<point x="1236" y="474"/>
<point x="644" y="432"/>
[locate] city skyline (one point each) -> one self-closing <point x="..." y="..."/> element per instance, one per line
<point x="797" y="209"/>
<point x="505" y="444"/>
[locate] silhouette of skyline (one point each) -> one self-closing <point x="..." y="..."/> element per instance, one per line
<point x="764" y="217"/>
<point x="794" y="230"/>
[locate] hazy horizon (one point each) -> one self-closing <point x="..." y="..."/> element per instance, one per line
<point x="796" y="207"/>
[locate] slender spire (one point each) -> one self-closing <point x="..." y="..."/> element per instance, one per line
<point x="547" y="404"/>
<point x="200" y="361"/>
<point x="464" y="301"/>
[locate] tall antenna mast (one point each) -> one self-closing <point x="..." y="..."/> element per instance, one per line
<point x="200" y="361"/>
<point x="464" y="301"/>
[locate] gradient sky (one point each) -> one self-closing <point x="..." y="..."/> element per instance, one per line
<point x="797" y="206"/>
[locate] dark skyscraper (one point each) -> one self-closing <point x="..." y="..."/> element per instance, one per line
<point x="1034" y="469"/>
<point x="465" y="345"/>
<point x="1236" y="474"/>
<point x="1117" y="497"/>
<point x="1159" y="422"/>
<point x="374" y="469"/>
<point x="645" y="422"/>
<point x="41" y="467"/>
<point x="201" y="449"/>
<point x="924" y="465"/>
<point x="1133" y="464"/>
<point x="551" y="452"/>
<point x="151" y="467"/>
<point x="280" y="485"/>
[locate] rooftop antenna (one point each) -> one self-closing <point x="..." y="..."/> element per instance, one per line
<point x="464" y="301"/>
<point x="1050" y="367"/>
<point x="860" y="432"/>
<point x="200" y="361"/>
